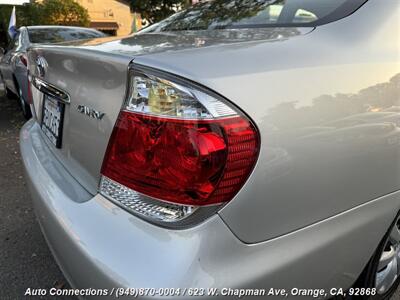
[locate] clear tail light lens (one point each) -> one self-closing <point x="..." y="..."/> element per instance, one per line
<point x="177" y="150"/>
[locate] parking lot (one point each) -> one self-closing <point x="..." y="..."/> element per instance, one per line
<point x="25" y="260"/>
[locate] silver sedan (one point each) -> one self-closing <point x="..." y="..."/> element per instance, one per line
<point x="13" y="59"/>
<point x="237" y="147"/>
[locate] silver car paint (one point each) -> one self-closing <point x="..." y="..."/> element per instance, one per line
<point x="101" y="86"/>
<point x="11" y="67"/>
<point x="13" y="71"/>
<point x="323" y="193"/>
<point x="100" y="245"/>
<point x="312" y="159"/>
<point x="97" y="81"/>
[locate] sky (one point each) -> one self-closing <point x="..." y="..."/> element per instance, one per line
<point x="14" y="2"/>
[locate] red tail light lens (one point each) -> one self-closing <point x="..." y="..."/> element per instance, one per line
<point x="172" y="148"/>
<point x="189" y="162"/>
<point x="23" y="60"/>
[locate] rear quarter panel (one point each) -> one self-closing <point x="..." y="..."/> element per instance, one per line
<point x="327" y="105"/>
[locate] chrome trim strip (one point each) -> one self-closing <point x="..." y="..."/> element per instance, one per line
<point x="50" y="89"/>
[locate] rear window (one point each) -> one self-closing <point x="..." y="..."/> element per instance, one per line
<point x="58" y="35"/>
<point x="224" y="14"/>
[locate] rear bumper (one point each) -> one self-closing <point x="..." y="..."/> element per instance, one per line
<point x="98" y="245"/>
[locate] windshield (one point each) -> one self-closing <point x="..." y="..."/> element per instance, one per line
<point x="61" y="34"/>
<point x="222" y="14"/>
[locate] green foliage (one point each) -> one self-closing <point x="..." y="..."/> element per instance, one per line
<point x="157" y="10"/>
<point x="62" y="12"/>
<point x="49" y="12"/>
<point x="23" y="14"/>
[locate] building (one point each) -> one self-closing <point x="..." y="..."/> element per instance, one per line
<point x="113" y="17"/>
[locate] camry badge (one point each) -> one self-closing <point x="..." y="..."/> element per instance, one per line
<point x="90" y="112"/>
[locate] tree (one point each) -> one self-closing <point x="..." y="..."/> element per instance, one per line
<point x="48" y="12"/>
<point x="157" y="10"/>
<point x="63" y="12"/>
<point x="26" y="15"/>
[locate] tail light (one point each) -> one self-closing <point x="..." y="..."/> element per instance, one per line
<point x="23" y="60"/>
<point x="29" y="96"/>
<point x="178" y="151"/>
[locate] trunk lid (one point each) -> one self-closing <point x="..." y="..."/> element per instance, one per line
<point x="161" y="42"/>
<point x="95" y="84"/>
<point x="93" y="74"/>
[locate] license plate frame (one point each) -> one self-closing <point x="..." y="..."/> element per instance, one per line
<point x="53" y="119"/>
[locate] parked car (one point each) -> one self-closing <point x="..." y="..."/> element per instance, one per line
<point x="236" y="144"/>
<point x="13" y="60"/>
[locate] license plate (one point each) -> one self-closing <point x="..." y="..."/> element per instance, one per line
<point x="52" y="119"/>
